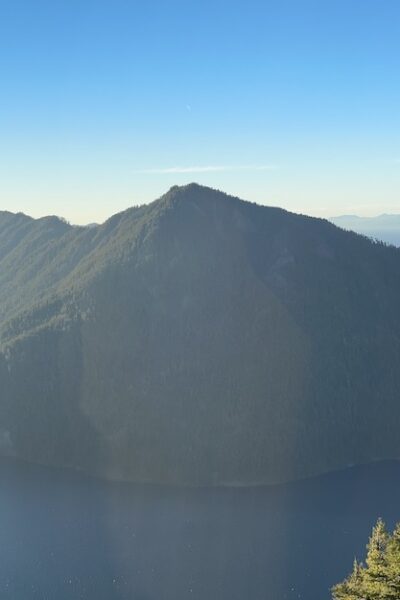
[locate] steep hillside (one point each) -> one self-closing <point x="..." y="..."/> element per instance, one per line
<point x="198" y="340"/>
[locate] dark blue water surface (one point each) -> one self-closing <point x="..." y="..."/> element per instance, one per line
<point x="67" y="536"/>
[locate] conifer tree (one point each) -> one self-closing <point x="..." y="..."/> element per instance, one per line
<point x="352" y="587"/>
<point x="393" y="564"/>
<point x="375" y="582"/>
<point x="379" y="579"/>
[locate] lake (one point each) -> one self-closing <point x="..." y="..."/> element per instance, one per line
<point x="64" y="535"/>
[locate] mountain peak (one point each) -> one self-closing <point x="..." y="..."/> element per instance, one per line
<point x="195" y="190"/>
<point x="199" y="339"/>
<point x="200" y="196"/>
<point x="189" y="187"/>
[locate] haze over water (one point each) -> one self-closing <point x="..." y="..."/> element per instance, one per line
<point x="67" y="536"/>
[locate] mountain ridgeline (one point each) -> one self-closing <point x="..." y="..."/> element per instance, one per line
<point x="198" y="340"/>
<point x="383" y="227"/>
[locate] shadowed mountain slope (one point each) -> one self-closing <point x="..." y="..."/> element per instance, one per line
<point x="198" y="340"/>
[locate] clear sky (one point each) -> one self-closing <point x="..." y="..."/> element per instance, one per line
<point x="106" y="104"/>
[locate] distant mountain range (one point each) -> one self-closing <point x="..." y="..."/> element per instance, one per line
<point x="198" y="340"/>
<point x="383" y="227"/>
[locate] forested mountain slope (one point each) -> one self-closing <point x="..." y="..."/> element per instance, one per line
<point x="198" y="340"/>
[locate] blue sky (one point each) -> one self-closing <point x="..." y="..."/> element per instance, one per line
<point x="107" y="104"/>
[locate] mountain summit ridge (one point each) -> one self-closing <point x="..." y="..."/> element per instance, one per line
<point x="198" y="340"/>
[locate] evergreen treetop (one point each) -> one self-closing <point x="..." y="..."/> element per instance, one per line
<point x="379" y="579"/>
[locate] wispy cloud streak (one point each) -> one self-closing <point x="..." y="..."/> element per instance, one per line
<point x="207" y="169"/>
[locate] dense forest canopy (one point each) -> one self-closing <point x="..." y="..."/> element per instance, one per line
<point x="199" y="339"/>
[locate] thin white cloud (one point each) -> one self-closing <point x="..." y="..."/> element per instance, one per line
<point x="207" y="169"/>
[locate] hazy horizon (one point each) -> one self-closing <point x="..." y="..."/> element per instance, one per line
<point x="78" y="222"/>
<point x="290" y="104"/>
